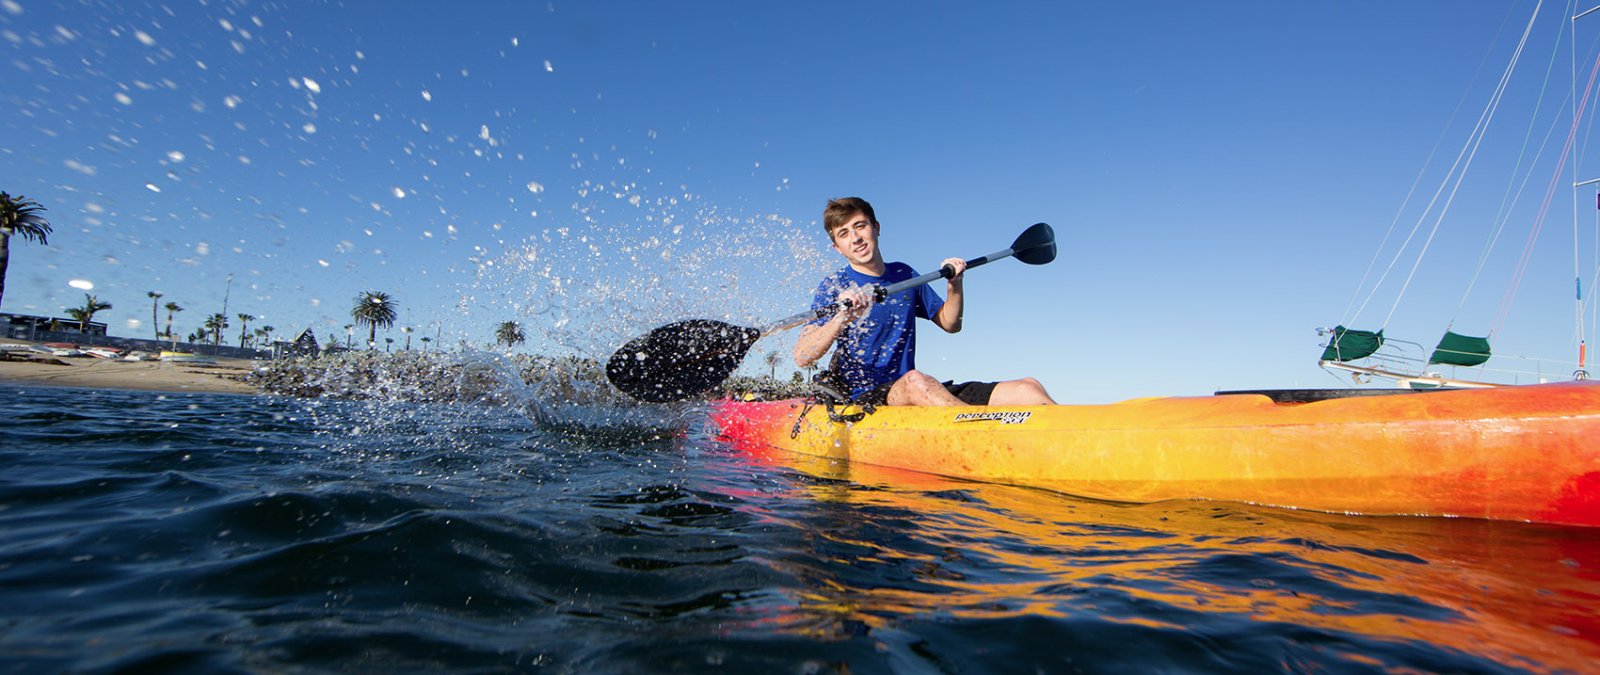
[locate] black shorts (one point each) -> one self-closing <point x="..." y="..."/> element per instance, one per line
<point x="970" y="393"/>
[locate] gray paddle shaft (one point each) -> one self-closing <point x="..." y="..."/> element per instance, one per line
<point x="879" y="293"/>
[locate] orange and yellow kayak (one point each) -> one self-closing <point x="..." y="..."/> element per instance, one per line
<point x="1522" y="453"/>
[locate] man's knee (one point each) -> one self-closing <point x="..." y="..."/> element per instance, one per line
<point x="1024" y="391"/>
<point x="914" y="384"/>
<point x="919" y="388"/>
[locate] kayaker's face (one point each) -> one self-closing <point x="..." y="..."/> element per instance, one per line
<point x="857" y="241"/>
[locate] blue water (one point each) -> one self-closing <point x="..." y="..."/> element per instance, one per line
<point x="179" y="532"/>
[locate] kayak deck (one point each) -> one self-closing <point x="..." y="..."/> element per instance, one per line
<point x="1529" y="453"/>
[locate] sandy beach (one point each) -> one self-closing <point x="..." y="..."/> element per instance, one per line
<point x="88" y="371"/>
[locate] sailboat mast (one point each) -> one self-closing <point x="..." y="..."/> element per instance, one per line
<point x="1582" y="372"/>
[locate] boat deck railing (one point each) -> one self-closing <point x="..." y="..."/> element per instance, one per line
<point x="1405" y="360"/>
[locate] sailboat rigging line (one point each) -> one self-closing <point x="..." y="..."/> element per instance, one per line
<point x="1509" y="201"/>
<point x="1384" y="243"/>
<point x="1544" y="208"/>
<point x="1504" y="219"/>
<point x="1594" y="317"/>
<point x="1350" y="318"/>
<point x="1475" y="140"/>
<point x="1577" y="161"/>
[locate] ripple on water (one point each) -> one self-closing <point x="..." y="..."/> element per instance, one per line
<point x="312" y="535"/>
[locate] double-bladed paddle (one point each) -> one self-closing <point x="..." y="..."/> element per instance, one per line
<point x="688" y="358"/>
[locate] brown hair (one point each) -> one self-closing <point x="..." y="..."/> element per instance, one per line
<point x="840" y="210"/>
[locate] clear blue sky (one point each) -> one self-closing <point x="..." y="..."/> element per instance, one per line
<point x="1218" y="174"/>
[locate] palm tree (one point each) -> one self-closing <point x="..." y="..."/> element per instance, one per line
<point x="509" y="334"/>
<point x="349" y="332"/>
<point x="244" y="327"/>
<point x="155" y="325"/>
<point x="407" y="330"/>
<point x="266" y="334"/>
<point x="20" y="216"/>
<point x="172" y="307"/>
<point x="387" y="343"/>
<point x="425" y="341"/>
<point x="374" y="308"/>
<point x="773" y="360"/>
<point x="216" y="323"/>
<point x="91" y="306"/>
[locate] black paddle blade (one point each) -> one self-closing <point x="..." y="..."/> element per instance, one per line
<point x="1036" y="245"/>
<point x="679" y="360"/>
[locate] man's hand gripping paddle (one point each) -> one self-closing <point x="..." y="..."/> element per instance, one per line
<point x="688" y="358"/>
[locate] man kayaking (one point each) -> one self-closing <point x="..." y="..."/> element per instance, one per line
<point x="875" y="360"/>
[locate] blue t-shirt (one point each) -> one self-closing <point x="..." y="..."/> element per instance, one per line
<point x="882" y="346"/>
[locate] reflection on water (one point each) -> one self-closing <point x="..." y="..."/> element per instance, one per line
<point x="143" y="531"/>
<point x="1232" y="581"/>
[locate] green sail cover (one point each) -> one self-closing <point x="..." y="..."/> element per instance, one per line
<point x="1349" y="345"/>
<point x="1460" y="350"/>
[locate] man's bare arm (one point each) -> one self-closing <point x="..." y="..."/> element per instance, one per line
<point x="815" y="340"/>
<point x="949" y="316"/>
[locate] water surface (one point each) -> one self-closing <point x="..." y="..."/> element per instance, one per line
<point x="212" y="532"/>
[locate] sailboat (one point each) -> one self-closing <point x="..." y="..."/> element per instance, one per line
<point x="1465" y="360"/>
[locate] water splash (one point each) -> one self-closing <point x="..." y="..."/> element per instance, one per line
<point x="585" y="291"/>
<point x="566" y="395"/>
